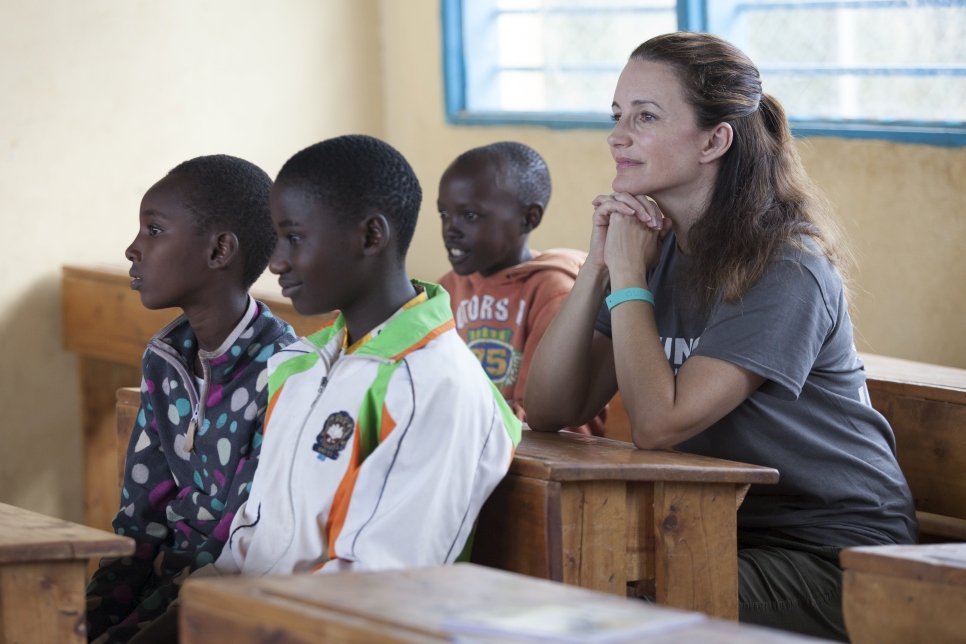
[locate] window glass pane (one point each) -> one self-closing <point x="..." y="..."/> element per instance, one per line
<point x="877" y="60"/>
<point x="554" y="55"/>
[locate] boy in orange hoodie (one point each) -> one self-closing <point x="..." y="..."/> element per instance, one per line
<point x="503" y="294"/>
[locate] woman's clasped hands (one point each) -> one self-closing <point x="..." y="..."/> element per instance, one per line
<point x="627" y="235"/>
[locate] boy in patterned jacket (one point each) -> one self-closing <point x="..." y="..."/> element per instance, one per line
<point x="383" y="436"/>
<point x="205" y="236"/>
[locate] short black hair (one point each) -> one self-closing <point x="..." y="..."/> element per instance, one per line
<point x="228" y="191"/>
<point x="520" y="164"/>
<point x="358" y="175"/>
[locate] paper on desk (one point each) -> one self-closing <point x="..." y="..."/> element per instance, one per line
<point x="567" y="623"/>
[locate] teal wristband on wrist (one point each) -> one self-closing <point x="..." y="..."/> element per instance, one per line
<point x="628" y="294"/>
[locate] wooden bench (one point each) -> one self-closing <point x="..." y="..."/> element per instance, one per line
<point x="417" y="606"/>
<point x="916" y="593"/>
<point x="899" y="594"/>
<point x="105" y="324"/>
<point x="599" y="513"/>
<point x="128" y="406"/>
<point x="926" y="406"/>
<point x="43" y="575"/>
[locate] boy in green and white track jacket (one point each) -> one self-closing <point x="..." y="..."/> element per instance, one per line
<point x="377" y="458"/>
<point x="383" y="435"/>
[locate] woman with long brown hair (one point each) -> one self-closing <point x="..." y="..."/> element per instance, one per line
<point x="727" y="327"/>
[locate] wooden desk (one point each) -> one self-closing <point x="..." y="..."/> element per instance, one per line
<point x="43" y="573"/>
<point x="905" y="593"/>
<point x="403" y="606"/>
<point x="599" y="513"/>
<point x="105" y="324"/>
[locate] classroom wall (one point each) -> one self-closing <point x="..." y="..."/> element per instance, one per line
<point x="903" y="206"/>
<point x="99" y="99"/>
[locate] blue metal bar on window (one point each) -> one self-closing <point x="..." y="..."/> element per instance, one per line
<point x="783" y="70"/>
<point x="671" y="6"/>
<point x="454" y="65"/>
<point x="574" y="68"/>
<point x="772" y="5"/>
<point x="852" y="70"/>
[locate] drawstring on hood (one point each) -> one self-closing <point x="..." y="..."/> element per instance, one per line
<point x="163" y="346"/>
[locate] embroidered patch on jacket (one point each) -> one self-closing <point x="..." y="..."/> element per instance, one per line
<point x="334" y="436"/>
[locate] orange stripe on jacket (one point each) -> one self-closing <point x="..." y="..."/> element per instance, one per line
<point x="335" y="318"/>
<point x="334" y="525"/>
<point x="429" y="337"/>
<point x="340" y="502"/>
<point x="387" y="425"/>
<point x="271" y="408"/>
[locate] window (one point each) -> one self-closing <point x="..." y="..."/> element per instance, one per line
<point x="866" y="68"/>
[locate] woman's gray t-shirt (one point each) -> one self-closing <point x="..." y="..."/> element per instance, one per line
<point x="840" y="484"/>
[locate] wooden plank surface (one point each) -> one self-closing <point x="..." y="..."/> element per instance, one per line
<point x="575" y="457"/>
<point x="519" y="528"/>
<point x="886" y="609"/>
<point x="43" y="602"/>
<point x="941" y="528"/>
<point x="29" y="536"/>
<point x="920" y="379"/>
<point x="696" y="539"/>
<point x="406" y="605"/>
<point x="930" y="447"/>
<point x="639" y="540"/>
<point x="941" y="563"/>
<point x="594" y="535"/>
<point x="103" y="317"/>
<point x="100" y="380"/>
<point x="128" y="406"/>
<point x="265" y="618"/>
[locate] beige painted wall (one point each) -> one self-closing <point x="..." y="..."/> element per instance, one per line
<point x="904" y="206"/>
<point x="98" y="99"/>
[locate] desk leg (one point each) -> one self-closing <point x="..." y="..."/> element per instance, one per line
<point x="594" y="531"/>
<point x="43" y="602"/>
<point x="519" y="528"/>
<point x="100" y="381"/>
<point x="696" y="555"/>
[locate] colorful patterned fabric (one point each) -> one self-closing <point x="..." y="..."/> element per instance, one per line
<point x="179" y="499"/>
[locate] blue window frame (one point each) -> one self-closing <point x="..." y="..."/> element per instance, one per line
<point x="890" y="69"/>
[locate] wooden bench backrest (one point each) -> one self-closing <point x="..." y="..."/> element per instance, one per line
<point x="128" y="404"/>
<point x="926" y="406"/>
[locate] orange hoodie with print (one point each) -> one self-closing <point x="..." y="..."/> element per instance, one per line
<point x="502" y="317"/>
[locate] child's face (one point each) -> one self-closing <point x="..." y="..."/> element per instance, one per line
<point x="168" y="257"/>
<point x="484" y="225"/>
<point x="314" y="257"/>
